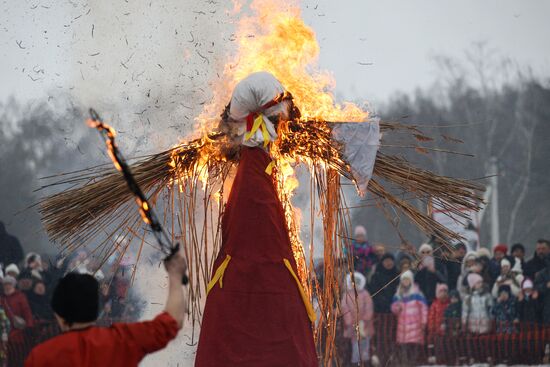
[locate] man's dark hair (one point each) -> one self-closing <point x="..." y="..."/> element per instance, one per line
<point x="76" y="298"/>
<point x="542" y="240"/>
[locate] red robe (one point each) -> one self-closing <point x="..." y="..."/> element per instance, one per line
<point x="256" y="317"/>
<point x="122" y="345"/>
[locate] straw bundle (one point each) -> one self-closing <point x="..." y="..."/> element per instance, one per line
<point x="185" y="180"/>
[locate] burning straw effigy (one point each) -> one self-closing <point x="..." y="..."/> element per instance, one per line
<point x="190" y="182"/>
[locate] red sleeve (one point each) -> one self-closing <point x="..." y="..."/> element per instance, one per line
<point x="29" y="362"/>
<point x="149" y="336"/>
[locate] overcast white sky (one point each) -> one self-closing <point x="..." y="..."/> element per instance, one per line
<point x="399" y="37"/>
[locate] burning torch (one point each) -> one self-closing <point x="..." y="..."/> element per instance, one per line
<point x="145" y="209"/>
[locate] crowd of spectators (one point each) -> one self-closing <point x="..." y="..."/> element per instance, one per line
<point x="26" y="317"/>
<point x="436" y="291"/>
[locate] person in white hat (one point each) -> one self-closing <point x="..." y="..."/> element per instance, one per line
<point x="411" y="310"/>
<point x="529" y="307"/>
<point x="12" y="270"/>
<point x="476" y="306"/>
<point x="358" y="311"/>
<point x="507" y="277"/>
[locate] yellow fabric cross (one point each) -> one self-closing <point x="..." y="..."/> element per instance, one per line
<point x="309" y="308"/>
<point x="258" y="123"/>
<point x="218" y="276"/>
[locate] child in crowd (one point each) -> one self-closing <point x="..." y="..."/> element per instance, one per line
<point x="511" y="278"/>
<point x="358" y="312"/>
<point x="453" y="314"/>
<point x="404" y="262"/>
<point x="529" y="307"/>
<point x="477" y="306"/>
<point x="505" y="310"/>
<point x="469" y="265"/>
<point x="411" y="310"/>
<point x="437" y="310"/>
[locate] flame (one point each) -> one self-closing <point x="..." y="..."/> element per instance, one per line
<point x="274" y="38"/>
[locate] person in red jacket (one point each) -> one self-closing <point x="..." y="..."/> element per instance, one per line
<point x="437" y="310"/>
<point x="17" y="308"/>
<point x="75" y="302"/>
<point x="436" y="320"/>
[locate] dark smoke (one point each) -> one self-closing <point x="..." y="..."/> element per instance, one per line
<point x="37" y="140"/>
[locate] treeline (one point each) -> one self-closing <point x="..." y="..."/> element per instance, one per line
<point x="509" y="121"/>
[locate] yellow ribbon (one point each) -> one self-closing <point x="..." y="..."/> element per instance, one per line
<point x="309" y="308"/>
<point x="269" y="168"/>
<point x="258" y="123"/>
<point x="218" y="276"/>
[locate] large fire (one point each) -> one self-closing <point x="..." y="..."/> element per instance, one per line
<point x="274" y="38"/>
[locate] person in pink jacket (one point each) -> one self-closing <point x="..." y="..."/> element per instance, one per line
<point x="411" y="309"/>
<point x="357" y="312"/>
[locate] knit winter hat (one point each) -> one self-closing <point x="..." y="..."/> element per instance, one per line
<point x="440" y="288"/>
<point x="505" y="262"/>
<point x="76" y="298"/>
<point x="482" y="251"/>
<point x="500" y="248"/>
<point x="473" y="279"/>
<point x="527" y="284"/>
<point x="360" y="231"/>
<point x="424" y="247"/>
<point x="360" y="281"/>
<point x="32" y="256"/>
<point x="12" y="268"/>
<point x="8" y="279"/>
<point x="407" y="275"/>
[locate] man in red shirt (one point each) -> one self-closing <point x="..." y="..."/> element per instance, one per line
<point x="75" y="303"/>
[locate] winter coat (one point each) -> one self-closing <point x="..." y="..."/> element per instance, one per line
<point x="383" y="284"/>
<point x="529" y="310"/>
<point x="411" y="311"/>
<point x="533" y="266"/>
<point x="427" y="282"/>
<point x="476" y="311"/>
<point x="363" y="256"/>
<point x="453" y="315"/>
<point x="453" y="272"/>
<point x="505" y="312"/>
<point x="541" y="281"/>
<point x="355" y="312"/>
<point x="16" y="304"/>
<point x="436" y="316"/>
<point x="462" y="281"/>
